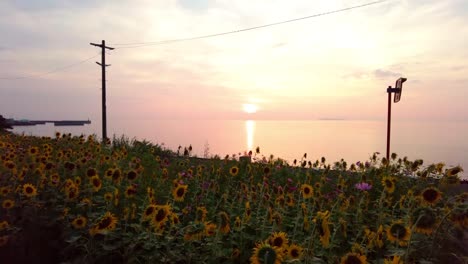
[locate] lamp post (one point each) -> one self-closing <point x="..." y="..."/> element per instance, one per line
<point x="397" y="90"/>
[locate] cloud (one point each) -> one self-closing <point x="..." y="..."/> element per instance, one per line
<point x="383" y="74"/>
<point x="195" y="5"/>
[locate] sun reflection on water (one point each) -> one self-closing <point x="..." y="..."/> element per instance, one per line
<point x="250" y="128"/>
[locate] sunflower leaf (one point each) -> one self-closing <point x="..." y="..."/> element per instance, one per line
<point x="73" y="239"/>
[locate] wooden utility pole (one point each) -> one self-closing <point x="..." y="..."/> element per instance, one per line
<point x="103" y="67"/>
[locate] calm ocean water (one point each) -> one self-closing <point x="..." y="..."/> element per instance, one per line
<point x="333" y="139"/>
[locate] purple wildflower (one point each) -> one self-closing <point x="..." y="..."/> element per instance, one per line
<point x="363" y="186"/>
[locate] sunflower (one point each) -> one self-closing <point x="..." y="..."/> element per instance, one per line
<point x="379" y="237"/>
<point x="8" y="204"/>
<point x="132" y="175"/>
<point x="72" y="192"/>
<point x="79" y="222"/>
<point x="393" y="260"/>
<point x="389" y="184"/>
<point x="165" y="172"/>
<point x="78" y="180"/>
<point x="295" y="252"/>
<point x="248" y="212"/>
<point x="49" y="166"/>
<point x="321" y="221"/>
<point x="431" y="195"/>
<point x="107" y="223"/>
<point x="33" y="151"/>
<point x="290" y="200"/>
<point x="150" y="193"/>
<point x="109" y="172"/>
<point x="200" y="214"/>
<point x="224" y="222"/>
<point x="210" y="229"/>
<point x="130" y="191"/>
<point x="96" y="183"/>
<point x="86" y="202"/>
<point x="10" y="165"/>
<point x="160" y="216"/>
<point x="149" y="211"/>
<point x="280" y="200"/>
<point x="108" y="197"/>
<point x="91" y="172"/>
<point x="277" y="218"/>
<point x="4" y="225"/>
<point x="174" y="219"/>
<point x="424" y="220"/>
<point x="235" y="253"/>
<point x="265" y="253"/>
<point x="353" y="258"/>
<point x="116" y="175"/>
<point x="459" y="216"/>
<point x="116" y="197"/>
<point x="234" y="170"/>
<point x="195" y="232"/>
<point x="279" y="240"/>
<point x="3" y="240"/>
<point x="238" y="222"/>
<point x="4" y="191"/>
<point x="29" y="190"/>
<point x="307" y="191"/>
<point x="179" y="192"/>
<point x="454" y="171"/>
<point x="398" y="232"/>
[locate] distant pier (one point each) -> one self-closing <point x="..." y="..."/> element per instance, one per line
<point x="24" y="122"/>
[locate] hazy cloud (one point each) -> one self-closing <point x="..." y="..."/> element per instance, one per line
<point x="384" y="74"/>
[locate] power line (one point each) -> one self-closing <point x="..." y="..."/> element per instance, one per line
<point x="31" y="76"/>
<point x="154" y="43"/>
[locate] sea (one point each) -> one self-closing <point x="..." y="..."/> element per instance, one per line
<point x="350" y="140"/>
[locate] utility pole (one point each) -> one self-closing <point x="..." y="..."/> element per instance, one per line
<point x="103" y="67"/>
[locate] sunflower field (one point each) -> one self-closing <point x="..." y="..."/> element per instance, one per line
<point x="71" y="199"/>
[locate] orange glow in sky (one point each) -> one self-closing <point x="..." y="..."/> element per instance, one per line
<point x="332" y="66"/>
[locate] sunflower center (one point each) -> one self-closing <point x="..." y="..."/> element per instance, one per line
<point x="149" y="211"/>
<point x="160" y="215"/>
<point x="106" y="222"/>
<point x="321" y="230"/>
<point x="294" y="253"/>
<point x="398" y="231"/>
<point x="430" y="195"/>
<point x="267" y="255"/>
<point x="91" y="172"/>
<point x="306" y="190"/>
<point x="131" y="175"/>
<point x="96" y="182"/>
<point x="388" y="183"/>
<point x="180" y="192"/>
<point x="352" y="260"/>
<point x="29" y="190"/>
<point x="278" y="242"/>
<point x="426" y="219"/>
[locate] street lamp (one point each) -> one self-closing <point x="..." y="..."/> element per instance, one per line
<point x="397" y="90"/>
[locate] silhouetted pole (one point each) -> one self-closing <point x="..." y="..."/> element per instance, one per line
<point x="397" y="90"/>
<point x="103" y="68"/>
<point x="389" y="118"/>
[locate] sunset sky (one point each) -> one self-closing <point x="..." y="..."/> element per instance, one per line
<point x="332" y="66"/>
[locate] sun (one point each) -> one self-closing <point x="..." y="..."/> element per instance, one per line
<point x="249" y="108"/>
